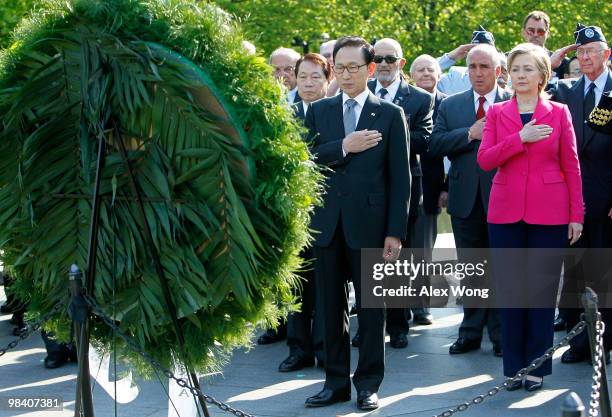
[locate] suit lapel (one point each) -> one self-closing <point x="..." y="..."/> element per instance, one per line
<point x="469" y="106"/>
<point x="542" y="110"/>
<point x="576" y="100"/>
<point x="401" y="96"/>
<point x="336" y="117"/>
<point x="511" y="113"/>
<point x="369" y="113"/>
<point x="588" y="132"/>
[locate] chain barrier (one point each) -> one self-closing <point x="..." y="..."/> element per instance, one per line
<point x="578" y="328"/>
<point x="33" y="328"/>
<point x="158" y="366"/>
<point x="597" y="366"/>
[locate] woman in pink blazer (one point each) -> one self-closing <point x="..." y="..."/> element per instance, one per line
<point x="536" y="202"/>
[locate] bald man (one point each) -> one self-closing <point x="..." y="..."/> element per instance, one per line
<point x="418" y="105"/>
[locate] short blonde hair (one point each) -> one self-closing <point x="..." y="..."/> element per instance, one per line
<point x="540" y="57"/>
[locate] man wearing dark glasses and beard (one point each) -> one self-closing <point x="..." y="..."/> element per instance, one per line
<point x="389" y="84"/>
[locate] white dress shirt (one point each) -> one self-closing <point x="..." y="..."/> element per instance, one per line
<point x="305" y="107"/>
<point x="392" y="90"/>
<point x="600" y="84"/>
<point x="291" y="95"/>
<point x="489" y="99"/>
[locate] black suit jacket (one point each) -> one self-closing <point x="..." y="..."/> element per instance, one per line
<point x="433" y="171"/>
<point x="418" y="107"/>
<point x="368" y="191"/>
<point x="594" y="149"/>
<point x="450" y="138"/>
<point x="298" y="110"/>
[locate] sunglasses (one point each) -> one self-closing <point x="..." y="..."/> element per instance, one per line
<point x="389" y="59"/>
<point x="539" y="31"/>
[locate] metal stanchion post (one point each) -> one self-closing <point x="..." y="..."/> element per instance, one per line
<point x="79" y="313"/>
<point x="572" y="406"/>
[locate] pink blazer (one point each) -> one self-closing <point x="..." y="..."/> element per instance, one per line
<point x="540" y="182"/>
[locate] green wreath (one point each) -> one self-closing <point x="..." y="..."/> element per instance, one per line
<point x="226" y="181"/>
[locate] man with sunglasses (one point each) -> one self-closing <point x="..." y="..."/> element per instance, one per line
<point x="595" y="154"/>
<point x="363" y="141"/>
<point x="390" y="85"/>
<point x="536" y="30"/>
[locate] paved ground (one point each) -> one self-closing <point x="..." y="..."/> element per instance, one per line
<point x="421" y="381"/>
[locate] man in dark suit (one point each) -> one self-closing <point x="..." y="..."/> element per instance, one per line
<point x="457" y="134"/>
<point x="425" y="71"/>
<point x="304" y="328"/>
<point x="417" y="104"/>
<point x="595" y="154"/>
<point x="283" y="62"/>
<point x="363" y="141"/>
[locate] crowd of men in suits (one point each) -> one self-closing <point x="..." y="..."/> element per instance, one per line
<point x="384" y="135"/>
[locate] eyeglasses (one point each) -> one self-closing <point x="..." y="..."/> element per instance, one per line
<point x="539" y="31"/>
<point x="352" y="69"/>
<point x="286" y="70"/>
<point x="589" y="52"/>
<point x="389" y="59"/>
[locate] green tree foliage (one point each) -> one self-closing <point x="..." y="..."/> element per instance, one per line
<point x="11" y="13"/>
<point x="427" y="26"/>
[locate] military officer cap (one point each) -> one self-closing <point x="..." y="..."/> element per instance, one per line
<point x="481" y="35"/>
<point x="586" y="34"/>
<point x="600" y="118"/>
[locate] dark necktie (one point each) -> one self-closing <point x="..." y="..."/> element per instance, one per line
<point x="480" y="113"/>
<point x="589" y="102"/>
<point x="382" y="93"/>
<point x="350" y="118"/>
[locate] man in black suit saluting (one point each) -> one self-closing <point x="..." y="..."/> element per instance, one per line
<point x="363" y="141"/>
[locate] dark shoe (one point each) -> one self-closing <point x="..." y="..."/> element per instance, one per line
<point x="399" y="340"/>
<point x="424" y="319"/>
<point x="560" y="324"/>
<point x="514" y="385"/>
<point x="271" y="336"/>
<point x="367" y="400"/>
<point x="463" y="345"/>
<point x="355" y="341"/>
<point x="497" y="350"/>
<point x="571" y="356"/>
<point x="72" y="354"/>
<point x="533" y="385"/>
<point x="607" y="356"/>
<point x="327" y="397"/>
<point x="19" y="330"/>
<point x="7" y="308"/>
<point x="295" y="363"/>
<point x="55" y="361"/>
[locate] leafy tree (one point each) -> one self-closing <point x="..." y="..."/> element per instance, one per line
<point x="11" y="13"/>
<point x="428" y="26"/>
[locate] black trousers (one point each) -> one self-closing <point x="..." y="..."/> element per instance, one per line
<point x="54" y="348"/>
<point x="333" y="264"/>
<point x="472" y="232"/>
<point x="420" y="236"/>
<point x="591" y="270"/>
<point x="304" y="328"/>
<point x="527" y="277"/>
